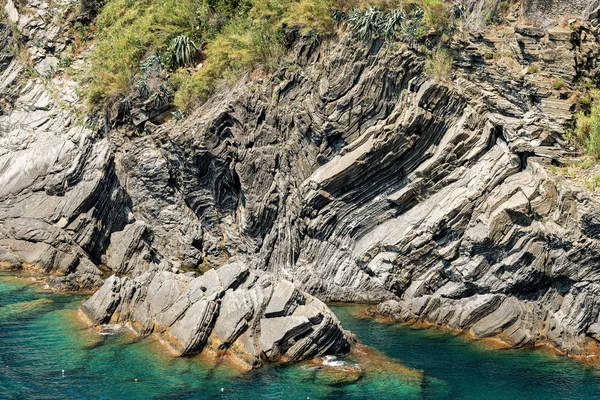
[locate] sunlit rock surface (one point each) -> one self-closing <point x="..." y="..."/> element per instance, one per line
<point x="228" y="309"/>
<point x="348" y="174"/>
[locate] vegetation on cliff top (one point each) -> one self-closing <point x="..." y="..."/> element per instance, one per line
<point x="225" y="36"/>
<point x="202" y="43"/>
<point x="163" y="52"/>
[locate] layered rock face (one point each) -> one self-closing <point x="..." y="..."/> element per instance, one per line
<point x="558" y="8"/>
<point x="60" y="198"/>
<point x="361" y="180"/>
<point x="348" y="173"/>
<point x="232" y="309"/>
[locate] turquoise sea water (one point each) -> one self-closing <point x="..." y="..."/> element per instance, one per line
<point x="40" y="336"/>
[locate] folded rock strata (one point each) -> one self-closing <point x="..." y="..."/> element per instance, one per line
<point x="60" y="197"/>
<point x="231" y="309"/>
<point x="348" y="172"/>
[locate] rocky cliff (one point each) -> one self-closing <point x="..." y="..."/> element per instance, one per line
<point x="348" y="172"/>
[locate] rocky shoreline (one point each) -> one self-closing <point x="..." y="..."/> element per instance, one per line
<point x="248" y="314"/>
<point x="348" y="175"/>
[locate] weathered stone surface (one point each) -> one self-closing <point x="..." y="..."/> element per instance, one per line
<point x="101" y="306"/>
<point x="283" y="299"/>
<point x="194" y="327"/>
<point x="558" y="8"/>
<point x="129" y="251"/>
<point x="11" y="11"/>
<point x="497" y="321"/>
<point x="225" y="318"/>
<point x="236" y="310"/>
<point x="278" y="331"/>
<point x="350" y="174"/>
<point x="231" y="274"/>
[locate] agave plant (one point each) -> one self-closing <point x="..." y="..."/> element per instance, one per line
<point x="124" y="107"/>
<point x="365" y="23"/>
<point x="374" y="22"/>
<point x="339" y="16"/>
<point x="142" y="86"/>
<point x="412" y="29"/>
<point x="388" y="28"/>
<point x="458" y="11"/>
<point x="151" y="63"/>
<point x="160" y="98"/>
<point x="182" y="50"/>
<point x="177" y="114"/>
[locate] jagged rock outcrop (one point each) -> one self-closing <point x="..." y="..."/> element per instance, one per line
<point x="361" y="180"/>
<point x="231" y="309"/>
<point x="60" y="198"/>
<point x="348" y="172"/>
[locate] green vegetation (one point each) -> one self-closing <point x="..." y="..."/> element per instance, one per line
<point x="439" y="64"/>
<point x="197" y="45"/>
<point x="436" y="14"/>
<point x="587" y="129"/>
<point x="593" y="182"/>
<point x="533" y="69"/>
<point x="585" y="163"/>
<point x="227" y="36"/>
<point x="374" y="22"/>
<point x="129" y="31"/>
<point x="181" y="51"/>
<point x="584" y="171"/>
<point x="559" y="84"/>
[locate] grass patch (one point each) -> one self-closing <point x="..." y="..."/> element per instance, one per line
<point x="587" y="127"/>
<point x="533" y="69"/>
<point x="240" y="46"/>
<point x="585" y="164"/>
<point x="593" y="183"/>
<point x="558" y="84"/>
<point x="439" y="65"/>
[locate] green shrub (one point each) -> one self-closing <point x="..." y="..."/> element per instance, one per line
<point x="558" y="84"/>
<point x="585" y="102"/>
<point x="65" y="62"/>
<point x="436" y="15"/>
<point x="311" y="15"/>
<point x="439" y="65"/>
<point x="587" y="129"/>
<point x="533" y="69"/>
<point x="412" y="29"/>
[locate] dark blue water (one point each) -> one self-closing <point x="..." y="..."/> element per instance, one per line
<point x="40" y="336"/>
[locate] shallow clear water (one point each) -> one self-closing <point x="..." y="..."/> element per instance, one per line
<point x="40" y="336"/>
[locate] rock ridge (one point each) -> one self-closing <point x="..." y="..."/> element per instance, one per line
<point x="231" y="310"/>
